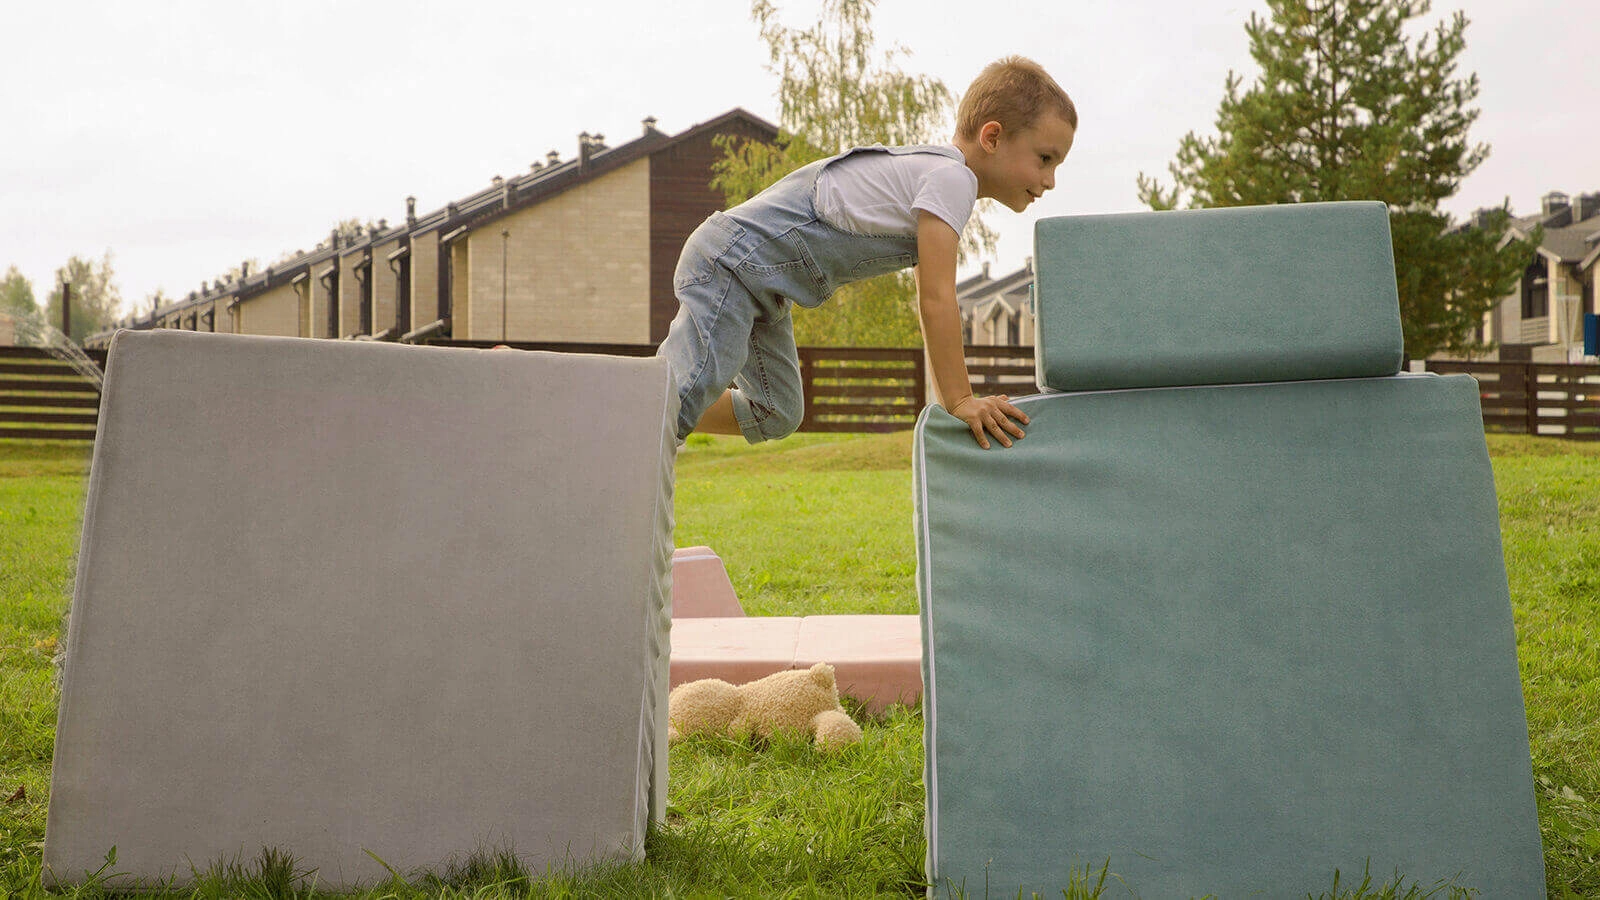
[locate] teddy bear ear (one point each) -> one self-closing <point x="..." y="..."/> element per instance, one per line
<point x="822" y="674"/>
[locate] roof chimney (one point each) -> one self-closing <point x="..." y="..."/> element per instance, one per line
<point x="649" y="124"/>
<point x="1588" y="205"/>
<point x="585" y="147"/>
<point x="1557" y="210"/>
<point x="497" y="181"/>
<point x="244" y="270"/>
<point x="411" y="211"/>
<point x="553" y="158"/>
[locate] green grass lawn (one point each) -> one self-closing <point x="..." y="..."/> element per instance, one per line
<point x="819" y="524"/>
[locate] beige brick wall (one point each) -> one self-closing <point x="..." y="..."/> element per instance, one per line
<point x="577" y="267"/>
<point x="221" y="321"/>
<point x="273" y="312"/>
<point x="460" y="287"/>
<point x="349" y="293"/>
<point x="384" y="284"/>
<point x="321" y="298"/>
<point x="424" y="278"/>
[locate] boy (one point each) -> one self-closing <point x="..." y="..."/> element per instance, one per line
<point x="863" y="213"/>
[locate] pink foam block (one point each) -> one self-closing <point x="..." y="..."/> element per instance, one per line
<point x="736" y="649"/>
<point x="876" y="659"/>
<point x="700" y="585"/>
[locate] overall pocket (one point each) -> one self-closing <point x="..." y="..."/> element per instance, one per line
<point x="704" y="249"/>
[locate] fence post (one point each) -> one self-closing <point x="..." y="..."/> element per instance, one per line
<point x="921" y="367"/>
<point x="807" y="387"/>
<point x="1530" y="393"/>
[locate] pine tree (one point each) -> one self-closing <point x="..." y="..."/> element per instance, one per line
<point x="1346" y="107"/>
<point x="833" y="94"/>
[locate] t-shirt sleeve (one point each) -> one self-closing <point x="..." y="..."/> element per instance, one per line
<point x="949" y="192"/>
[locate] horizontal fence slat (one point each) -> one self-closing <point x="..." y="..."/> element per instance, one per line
<point x="70" y="400"/>
<point x="861" y="390"/>
<point x="879" y="354"/>
<point x="99" y="356"/>
<point x="48" y="418"/>
<point x="48" y="434"/>
<point x="51" y="369"/>
<point x="998" y="351"/>
<point x="858" y="427"/>
<point x="842" y="374"/>
<point x="1001" y="371"/>
<point x="864" y="409"/>
<point x="48" y="386"/>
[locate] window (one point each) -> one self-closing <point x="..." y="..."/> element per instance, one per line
<point x="1535" y="290"/>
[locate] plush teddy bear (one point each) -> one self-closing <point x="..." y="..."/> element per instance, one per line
<point x="795" y="700"/>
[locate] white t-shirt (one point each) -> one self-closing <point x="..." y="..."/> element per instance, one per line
<point x="880" y="193"/>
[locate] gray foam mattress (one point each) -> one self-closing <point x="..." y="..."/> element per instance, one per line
<point x="354" y="600"/>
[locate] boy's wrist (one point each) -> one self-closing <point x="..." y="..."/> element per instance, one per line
<point x="957" y="405"/>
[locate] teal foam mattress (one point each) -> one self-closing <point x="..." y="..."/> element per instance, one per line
<point x="1216" y="296"/>
<point x="1228" y="639"/>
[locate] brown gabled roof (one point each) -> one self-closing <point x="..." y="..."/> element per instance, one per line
<point x="526" y="190"/>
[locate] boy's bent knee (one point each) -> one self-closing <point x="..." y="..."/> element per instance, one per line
<point x="784" y="422"/>
<point x="771" y="424"/>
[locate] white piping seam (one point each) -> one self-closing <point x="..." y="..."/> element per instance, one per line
<point x="649" y="725"/>
<point x="1053" y="392"/>
<point x="930" y="700"/>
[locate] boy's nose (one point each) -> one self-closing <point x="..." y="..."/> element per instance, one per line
<point x="1050" y="181"/>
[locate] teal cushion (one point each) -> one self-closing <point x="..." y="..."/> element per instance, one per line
<point x="1216" y="296"/>
<point x="1228" y="638"/>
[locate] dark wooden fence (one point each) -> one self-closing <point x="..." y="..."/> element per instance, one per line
<point x="1558" y="399"/>
<point x="44" y="397"/>
<point x="852" y="389"/>
<point x="856" y="388"/>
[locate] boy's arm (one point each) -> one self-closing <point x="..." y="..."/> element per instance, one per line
<point x="941" y="334"/>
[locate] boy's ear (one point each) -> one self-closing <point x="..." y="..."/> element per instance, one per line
<point x="989" y="135"/>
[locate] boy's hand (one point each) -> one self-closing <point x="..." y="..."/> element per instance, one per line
<point x="990" y="415"/>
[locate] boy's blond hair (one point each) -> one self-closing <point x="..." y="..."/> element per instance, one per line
<point x="1014" y="91"/>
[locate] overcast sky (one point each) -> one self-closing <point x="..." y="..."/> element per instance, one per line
<point x="188" y="135"/>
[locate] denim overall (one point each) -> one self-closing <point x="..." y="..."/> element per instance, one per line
<point x="736" y="278"/>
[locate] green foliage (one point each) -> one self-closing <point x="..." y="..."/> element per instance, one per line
<point x="1347" y="107"/>
<point x="834" y="93"/>
<point x="16" y="294"/>
<point x="95" y="298"/>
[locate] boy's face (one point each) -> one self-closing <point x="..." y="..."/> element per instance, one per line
<point x="1018" y="168"/>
